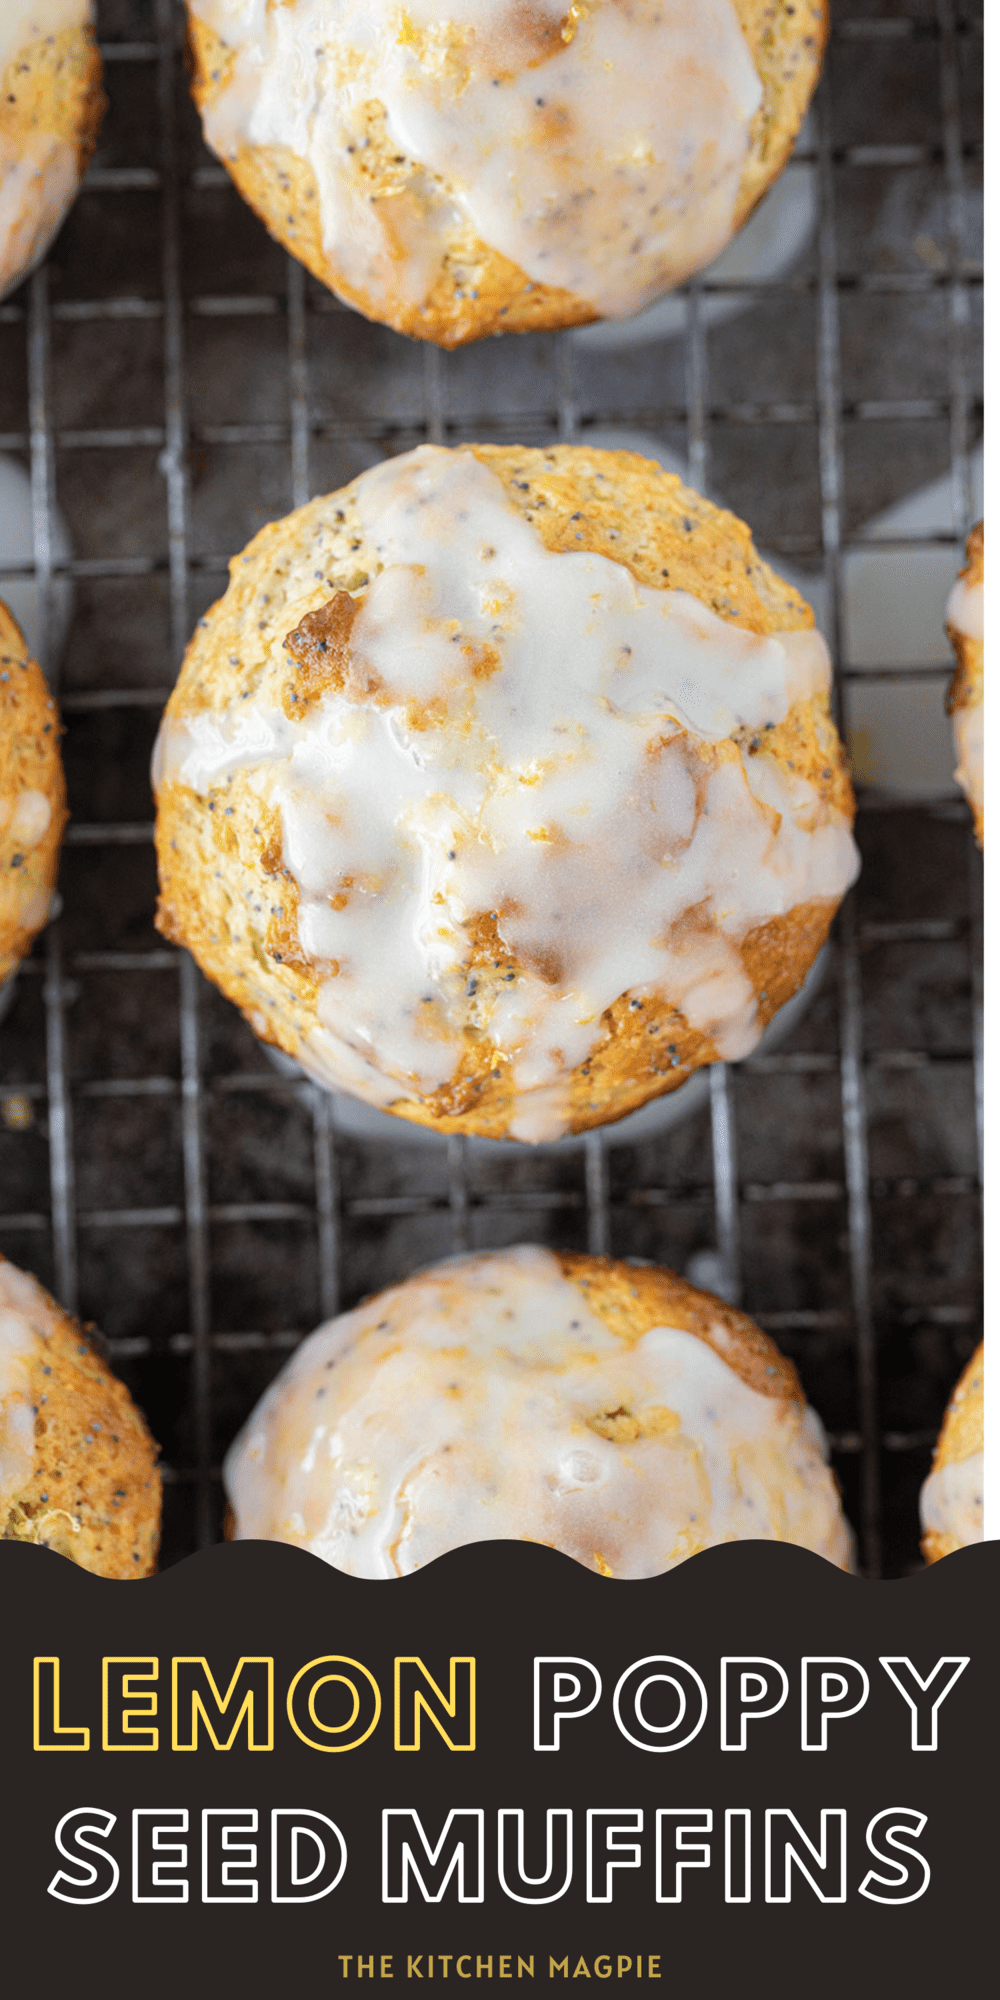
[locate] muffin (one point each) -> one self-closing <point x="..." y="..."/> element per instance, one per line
<point x="964" y="625"/>
<point x="501" y="789"/>
<point x="462" y="167"/>
<point x="51" y="106"/>
<point x="77" y="1464"/>
<point x="32" y="796"/>
<point x="951" y="1498"/>
<point x="605" y="1409"/>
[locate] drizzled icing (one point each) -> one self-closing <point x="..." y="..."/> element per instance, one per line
<point x="26" y="816"/>
<point x="26" y="21"/>
<point x="529" y="734"/>
<point x="38" y="177"/>
<point x="484" y="1399"/>
<point x="26" y="1317"/>
<point x="965" y="615"/>
<point x="601" y="151"/>
<point x="951" y="1500"/>
<point x="965" y="608"/>
<point x="37" y="185"/>
<point x="969" y="744"/>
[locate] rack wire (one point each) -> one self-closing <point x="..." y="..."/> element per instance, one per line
<point x="155" y="1169"/>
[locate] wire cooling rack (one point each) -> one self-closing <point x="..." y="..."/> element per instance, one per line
<point x="172" y="380"/>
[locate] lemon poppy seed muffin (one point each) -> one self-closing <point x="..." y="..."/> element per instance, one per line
<point x="462" y="167"/>
<point x="501" y="789"/>
<point x="608" y="1410"/>
<point x="951" y="1499"/>
<point x="964" y="623"/>
<point x="32" y="796"/>
<point x="77" y="1464"/>
<point x="51" y="106"/>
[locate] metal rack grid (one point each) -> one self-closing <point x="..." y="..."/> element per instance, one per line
<point x="107" y="1091"/>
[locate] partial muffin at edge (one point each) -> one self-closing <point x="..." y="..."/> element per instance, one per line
<point x="964" y="625"/>
<point x="78" y="1467"/>
<point x="32" y="796"/>
<point x="51" y="107"/>
<point x="951" y="1499"/>
<point x="472" y="288"/>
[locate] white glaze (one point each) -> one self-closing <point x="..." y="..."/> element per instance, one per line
<point x="33" y="906"/>
<point x="26" y="21"/>
<point x="564" y="790"/>
<point x="460" y="1407"/>
<point x="965" y="608"/>
<point x="26" y="1318"/>
<point x="37" y="185"/>
<point x="30" y="818"/>
<point x="603" y="156"/>
<point x="969" y="747"/>
<point x="951" y="1500"/>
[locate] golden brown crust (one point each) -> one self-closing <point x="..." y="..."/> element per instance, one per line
<point x="633" y="1298"/>
<point x="29" y="762"/>
<point x="478" y="291"/>
<point x="962" y="1433"/>
<point x="52" y="87"/>
<point x="321" y="649"/>
<point x="965" y="689"/>
<point x="212" y="862"/>
<point x="787" y="39"/>
<point x="620" y="505"/>
<point x="94" y="1495"/>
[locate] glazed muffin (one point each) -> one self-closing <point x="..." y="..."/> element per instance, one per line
<point x="964" y="624"/>
<point x="77" y="1464"/>
<point x="32" y="796"/>
<point x="501" y="788"/>
<point x="951" y="1498"/>
<point x="462" y="167"/>
<point x="605" y="1409"/>
<point x="51" y="106"/>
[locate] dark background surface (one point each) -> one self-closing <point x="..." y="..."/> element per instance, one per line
<point x="155" y="1167"/>
<point x="503" y="1604"/>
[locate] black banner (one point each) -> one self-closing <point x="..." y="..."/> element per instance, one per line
<point x="502" y="1768"/>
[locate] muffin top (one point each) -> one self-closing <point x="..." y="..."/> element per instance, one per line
<point x="559" y="736"/>
<point x="598" y="153"/>
<point x="603" y="1409"/>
